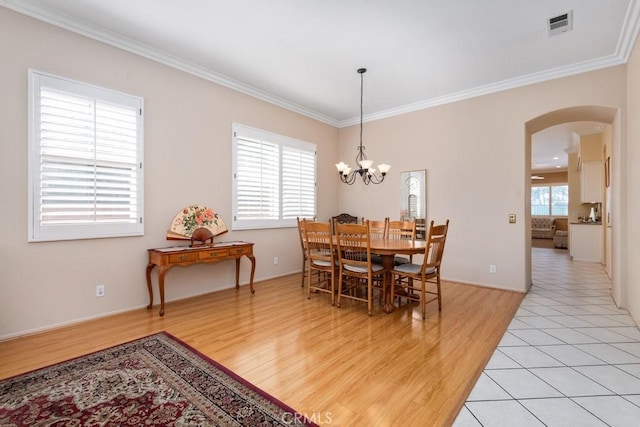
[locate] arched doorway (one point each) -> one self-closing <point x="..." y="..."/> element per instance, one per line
<point x="602" y="114"/>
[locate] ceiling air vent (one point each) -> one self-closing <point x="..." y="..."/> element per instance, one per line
<point x="561" y="23"/>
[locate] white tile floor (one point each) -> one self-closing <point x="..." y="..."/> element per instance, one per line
<point x="569" y="358"/>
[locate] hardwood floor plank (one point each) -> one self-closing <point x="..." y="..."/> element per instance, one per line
<point x="387" y="369"/>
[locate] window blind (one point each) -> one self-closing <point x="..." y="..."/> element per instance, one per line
<point x="258" y="180"/>
<point x="274" y="179"/>
<point x="88" y="161"/>
<point x="87" y="167"/>
<point x="298" y="182"/>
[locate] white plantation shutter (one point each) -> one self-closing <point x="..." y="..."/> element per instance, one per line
<point x="274" y="179"/>
<point x="298" y="183"/>
<point x="258" y="180"/>
<point x="85" y="161"/>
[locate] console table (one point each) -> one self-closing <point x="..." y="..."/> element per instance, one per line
<point x="184" y="256"/>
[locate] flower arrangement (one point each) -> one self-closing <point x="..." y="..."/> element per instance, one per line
<point x="194" y="217"/>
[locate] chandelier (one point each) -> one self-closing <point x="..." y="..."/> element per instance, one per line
<point x="364" y="166"/>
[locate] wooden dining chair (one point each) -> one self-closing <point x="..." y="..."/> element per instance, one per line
<point x="401" y="230"/>
<point x="355" y="266"/>
<point x="428" y="273"/>
<point x="321" y="256"/>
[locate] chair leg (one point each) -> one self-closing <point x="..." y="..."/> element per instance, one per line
<point x="339" y="287"/>
<point x="304" y="262"/>
<point x="423" y="297"/>
<point x="309" y="283"/>
<point x="333" y="288"/>
<point x="438" y="285"/>
<point x="370" y="295"/>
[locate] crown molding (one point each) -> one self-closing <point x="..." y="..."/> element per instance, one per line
<point x="628" y="35"/>
<point x="492" y="88"/>
<point x="162" y="57"/>
<point x="630" y="31"/>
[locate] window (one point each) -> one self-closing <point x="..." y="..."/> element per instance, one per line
<point x="550" y="200"/>
<point x="85" y="161"/>
<point x="274" y="179"/>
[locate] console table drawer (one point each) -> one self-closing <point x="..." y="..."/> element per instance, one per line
<point x="245" y="250"/>
<point x="213" y="253"/>
<point x="175" y="258"/>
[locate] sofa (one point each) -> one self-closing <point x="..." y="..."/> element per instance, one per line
<point x="542" y="227"/>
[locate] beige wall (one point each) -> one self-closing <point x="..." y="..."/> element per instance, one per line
<point x="187" y="160"/>
<point x="629" y="159"/>
<point x="477" y="161"/>
<point x="477" y="169"/>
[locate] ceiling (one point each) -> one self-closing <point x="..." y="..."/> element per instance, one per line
<point x="550" y="147"/>
<point x="303" y="54"/>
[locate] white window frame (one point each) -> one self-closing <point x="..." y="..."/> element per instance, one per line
<point x="279" y="219"/>
<point x="87" y="229"/>
<point x="550" y="203"/>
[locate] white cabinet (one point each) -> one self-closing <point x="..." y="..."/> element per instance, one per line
<point x="585" y="242"/>
<point x="591" y="182"/>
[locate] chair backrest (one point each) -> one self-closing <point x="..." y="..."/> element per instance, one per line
<point x="301" y="235"/>
<point x="378" y="228"/>
<point x="435" y="245"/>
<point x="319" y="243"/>
<point x="343" y="218"/>
<point x="354" y="244"/>
<point x="401" y="230"/>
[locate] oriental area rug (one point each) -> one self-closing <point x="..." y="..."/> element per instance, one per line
<point x="152" y="381"/>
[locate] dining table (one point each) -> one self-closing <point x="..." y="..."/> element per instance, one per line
<point x="387" y="249"/>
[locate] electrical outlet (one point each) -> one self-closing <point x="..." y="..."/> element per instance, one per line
<point x="99" y="290"/>
<point x="275" y="260"/>
<point x="492" y="269"/>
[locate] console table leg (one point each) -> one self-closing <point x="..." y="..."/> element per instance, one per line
<point x="238" y="273"/>
<point x="149" y="268"/>
<point x="253" y="270"/>
<point x="161" y="273"/>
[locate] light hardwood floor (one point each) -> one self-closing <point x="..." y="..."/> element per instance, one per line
<point x="337" y="365"/>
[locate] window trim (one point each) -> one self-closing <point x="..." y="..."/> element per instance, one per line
<point x="59" y="232"/>
<point x="280" y="141"/>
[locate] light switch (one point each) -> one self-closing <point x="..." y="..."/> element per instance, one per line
<point x="512" y="218"/>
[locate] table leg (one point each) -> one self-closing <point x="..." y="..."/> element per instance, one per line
<point x="149" y="268"/>
<point x="253" y="270"/>
<point x="388" y="264"/>
<point x="161" y="273"/>
<point x="238" y="272"/>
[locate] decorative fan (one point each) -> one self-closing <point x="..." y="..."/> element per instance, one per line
<point x="193" y="218"/>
